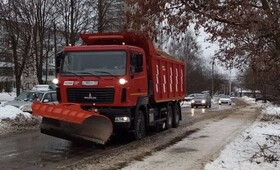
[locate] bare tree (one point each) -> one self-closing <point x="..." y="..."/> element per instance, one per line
<point x="146" y="16"/>
<point x="187" y="49"/>
<point x="73" y="18"/>
<point x="42" y="21"/>
<point x="245" y="29"/>
<point x="110" y="15"/>
<point x="17" y="24"/>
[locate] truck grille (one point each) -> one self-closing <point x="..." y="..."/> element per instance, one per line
<point x="91" y="95"/>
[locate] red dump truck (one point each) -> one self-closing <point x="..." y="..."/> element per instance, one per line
<point x="115" y="82"/>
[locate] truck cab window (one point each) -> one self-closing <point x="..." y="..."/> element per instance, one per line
<point x="100" y="63"/>
<point x="136" y="62"/>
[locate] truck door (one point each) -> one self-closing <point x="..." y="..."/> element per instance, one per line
<point x="139" y="78"/>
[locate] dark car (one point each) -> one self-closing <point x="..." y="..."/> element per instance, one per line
<point x="201" y="100"/>
<point x="25" y="99"/>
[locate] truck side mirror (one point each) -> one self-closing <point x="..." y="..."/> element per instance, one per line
<point x="46" y="100"/>
<point x="58" y="60"/>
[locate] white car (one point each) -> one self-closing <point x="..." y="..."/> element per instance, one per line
<point x="224" y="99"/>
<point x="25" y="99"/>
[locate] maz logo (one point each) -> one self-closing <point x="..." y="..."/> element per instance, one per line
<point x="90" y="97"/>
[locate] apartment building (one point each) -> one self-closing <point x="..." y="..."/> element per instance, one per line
<point x="6" y="66"/>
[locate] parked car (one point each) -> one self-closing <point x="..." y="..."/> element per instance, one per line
<point x="224" y="99"/>
<point x="25" y="99"/>
<point x="42" y="87"/>
<point x="201" y="100"/>
<point x="205" y="92"/>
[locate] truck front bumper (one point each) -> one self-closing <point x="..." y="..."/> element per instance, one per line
<point x="120" y="117"/>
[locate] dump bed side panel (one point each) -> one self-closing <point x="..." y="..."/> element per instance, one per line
<point x="168" y="79"/>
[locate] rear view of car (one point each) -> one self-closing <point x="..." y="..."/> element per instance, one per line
<point x="224" y="99"/>
<point x="201" y="100"/>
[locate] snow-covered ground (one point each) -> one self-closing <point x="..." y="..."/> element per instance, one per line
<point x="185" y="104"/>
<point x="7" y="96"/>
<point x="258" y="147"/>
<point x="9" y="111"/>
<point x="12" y="119"/>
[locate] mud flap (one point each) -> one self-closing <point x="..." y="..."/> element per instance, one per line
<point x="74" y="121"/>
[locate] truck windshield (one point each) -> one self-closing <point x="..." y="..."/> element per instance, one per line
<point x="94" y="63"/>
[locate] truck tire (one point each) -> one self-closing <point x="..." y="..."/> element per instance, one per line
<point x="139" y="126"/>
<point x="176" y="116"/>
<point x="169" y="116"/>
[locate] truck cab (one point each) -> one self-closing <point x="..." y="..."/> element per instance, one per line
<point x="111" y="76"/>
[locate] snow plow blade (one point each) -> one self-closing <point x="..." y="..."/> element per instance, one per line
<point x="72" y="121"/>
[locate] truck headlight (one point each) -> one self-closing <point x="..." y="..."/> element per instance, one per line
<point x="192" y="101"/>
<point x="25" y="108"/>
<point x="122" y="81"/>
<point x="55" y="81"/>
<point x="203" y="101"/>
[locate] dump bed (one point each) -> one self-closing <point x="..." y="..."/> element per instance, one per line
<point x="166" y="74"/>
<point x="168" y="78"/>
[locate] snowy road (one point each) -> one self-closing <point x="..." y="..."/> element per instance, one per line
<point x="197" y="149"/>
<point x="33" y="150"/>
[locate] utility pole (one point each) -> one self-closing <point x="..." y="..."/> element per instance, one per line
<point x="230" y="67"/>
<point x="212" y="91"/>
<point x="229" y="88"/>
<point x="55" y="48"/>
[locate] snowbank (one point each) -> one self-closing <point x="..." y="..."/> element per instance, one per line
<point x="7" y="96"/>
<point x="185" y="104"/>
<point x="14" y="120"/>
<point x="11" y="112"/>
<point x="258" y="147"/>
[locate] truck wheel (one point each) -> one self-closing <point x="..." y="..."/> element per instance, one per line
<point x="139" y="126"/>
<point x="169" y="117"/>
<point x="176" y="116"/>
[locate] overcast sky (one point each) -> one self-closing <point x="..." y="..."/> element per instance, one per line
<point x="209" y="50"/>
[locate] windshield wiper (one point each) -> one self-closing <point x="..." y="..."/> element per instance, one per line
<point x="89" y="73"/>
<point x="70" y="72"/>
<point x="105" y="72"/>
